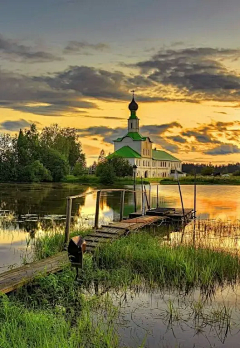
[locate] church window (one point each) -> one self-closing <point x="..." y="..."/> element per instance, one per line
<point x="144" y="151"/>
<point x="143" y="163"/>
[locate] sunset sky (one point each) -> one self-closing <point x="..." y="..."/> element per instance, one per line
<point x="74" y="62"/>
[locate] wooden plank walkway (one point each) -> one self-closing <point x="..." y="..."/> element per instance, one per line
<point x="15" y="278"/>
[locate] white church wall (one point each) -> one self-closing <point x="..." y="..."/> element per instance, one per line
<point x="135" y="145"/>
<point x="146" y="148"/>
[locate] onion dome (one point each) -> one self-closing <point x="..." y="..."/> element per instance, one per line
<point x="133" y="106"/>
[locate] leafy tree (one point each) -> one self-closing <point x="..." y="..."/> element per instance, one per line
<point x="36" y="172"/>
<point x="65" y="141"/>
<point x="33" y="156"/>
<point x="106" y="173"/>
<point x="8" y="158"/>
<point x="121" y="166"/>
<point x="78" y="169"/>
<point x="112" y="167"/>
<point x="56" y="163"/>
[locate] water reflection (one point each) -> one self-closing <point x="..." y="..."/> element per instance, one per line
<point x="28" y="209"/>
<point x="213" y="234"/>
<point x="171" y="320"/>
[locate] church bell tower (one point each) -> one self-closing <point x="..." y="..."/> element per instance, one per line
<point x="133" y="121"/>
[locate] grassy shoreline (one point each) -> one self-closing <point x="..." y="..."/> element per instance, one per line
<point x="55" y="311"/>
<point x="188" y="180"/>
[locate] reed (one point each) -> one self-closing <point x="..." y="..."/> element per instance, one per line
<point x="147" y="257"/>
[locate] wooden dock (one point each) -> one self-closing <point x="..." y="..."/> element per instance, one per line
<point x="13" y="279"/>
<point x="17" y="277"/>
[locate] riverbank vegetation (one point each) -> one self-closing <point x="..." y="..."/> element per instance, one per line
<point x="33" y="156"/>
<point x="203" y="180"/>
<point x="56" y="311"/>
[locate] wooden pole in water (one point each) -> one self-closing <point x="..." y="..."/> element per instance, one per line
<point x="134" y="193"/>
<point x="143" y="203"/>
<point x="149" y="196"/>
<point x="68" y="220"/>
<point x="157" y="196"/>
<point x="122" y="204"/>
<point x="180" y="193"/>
<point x="97" y="209"/>
<point x="145" y="192"/>
<point x="195" y="192"/>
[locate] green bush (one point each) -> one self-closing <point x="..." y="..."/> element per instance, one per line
<point x="106" y="173"/>
<point x="236" y="173"/>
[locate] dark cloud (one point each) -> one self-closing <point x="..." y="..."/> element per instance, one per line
<point x="108" y="134"/>
<point x="13" y="50"/>
<point x="223" y="149"/>
<point x="90" y="82"/>
<point x="201" y="136"/>
<point x="105" y="117"/>
<point x="178" y="139"/>
<point x="83" y="47"/>
<point x="199" y="73"/>
<point x="28" y="94"/>
<point x="220" y="112"/>
<point x="159" y="129"/>
<point x="183" y="75"/>
<point x="153" y="131"/>
<point x="14" y="125"/>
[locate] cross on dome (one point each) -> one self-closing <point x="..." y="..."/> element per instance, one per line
<point x="133" y="106"/>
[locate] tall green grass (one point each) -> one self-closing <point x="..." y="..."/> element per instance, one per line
<point x="52" y="242"/>
<point x="24" y="327"/>
<point x="144" y="256"/>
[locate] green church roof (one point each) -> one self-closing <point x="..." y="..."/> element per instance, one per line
<point x="126" y="152"/>
<point x="133" y="136"/>
<point x="160" y="155"/>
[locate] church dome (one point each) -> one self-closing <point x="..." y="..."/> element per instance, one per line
<point x="133" y="106"/>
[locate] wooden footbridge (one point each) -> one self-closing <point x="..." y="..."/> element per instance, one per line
<point x="13" y="279"/>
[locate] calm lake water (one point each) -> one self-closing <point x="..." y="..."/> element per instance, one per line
<point x="149" y="319"/>
<point x="30" y="209"/>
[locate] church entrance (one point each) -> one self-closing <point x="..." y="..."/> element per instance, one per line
<point x="146" y="174"/>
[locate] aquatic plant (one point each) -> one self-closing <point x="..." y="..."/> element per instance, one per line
<point x="180" y="266"/>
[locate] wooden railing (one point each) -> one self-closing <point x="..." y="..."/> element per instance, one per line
<point x="96" y="222"/>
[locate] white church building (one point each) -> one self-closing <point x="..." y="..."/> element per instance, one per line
<point x="137" y="149"/>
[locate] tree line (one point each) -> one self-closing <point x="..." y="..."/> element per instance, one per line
<point x="209" y="169"/>
<point x="33" y="156"/>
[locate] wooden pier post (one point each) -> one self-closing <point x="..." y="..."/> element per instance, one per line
<point x="149" y="196"/>
<point x="195" y="193"/>
<point x="122" y="204"/>
<point x="68" y="220"/>
<point x="146" y="197"/>
<point x="97" y="209"/>
<point x="143" y="203"/>
<point x="157" y="196"/>
<point x="180" y="193"/>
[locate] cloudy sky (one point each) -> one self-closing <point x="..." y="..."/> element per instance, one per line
<point x="74" y="62"/>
